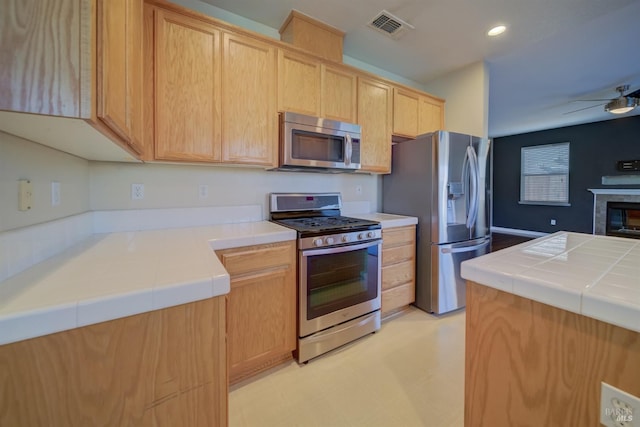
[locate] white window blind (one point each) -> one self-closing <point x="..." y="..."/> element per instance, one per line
<point x="544" y="174"/>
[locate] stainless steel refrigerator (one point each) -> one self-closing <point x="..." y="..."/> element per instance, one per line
<point x="443" y="179"/>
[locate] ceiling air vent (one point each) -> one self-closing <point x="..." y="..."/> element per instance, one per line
<point x="389" y="24"/>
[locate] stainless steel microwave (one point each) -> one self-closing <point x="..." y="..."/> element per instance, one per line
<point x="313" y="143"/>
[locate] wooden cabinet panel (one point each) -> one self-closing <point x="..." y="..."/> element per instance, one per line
<point x="399" y="235"/>
<point x="75" y="59"/>
<point x="161" y="368"/>
<point x="415" y="113"/>
<point x="261" y="307"/>
<point x="398" y="254"/>
<point x="187" y="92"/>
<point x="261" y="321"/>
<point x="119" y="68"/>
<point x="249" y="260"/>
<point x="397" y="274"/>
<point x="374" y="115"/>
<point x="339" y="94"/>
<point x="45" y="46"/>
<point x="398" y="297"/>
<point x="398" y="267"/>
<point x="249" y="127"/>
<point x="405" y="112"/>
<point x="431" y="115"/>
<point x="298" y="83"/>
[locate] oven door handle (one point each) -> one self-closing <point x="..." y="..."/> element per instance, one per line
<point x="340" y="249"/>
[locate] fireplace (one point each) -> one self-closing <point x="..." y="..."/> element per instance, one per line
<point x="623" y="219"/>
<point x="602" y="197"/>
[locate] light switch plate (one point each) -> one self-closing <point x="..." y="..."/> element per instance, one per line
<point x="55" y="193"/>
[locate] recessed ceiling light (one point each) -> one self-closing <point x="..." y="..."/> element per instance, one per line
<point x="495" y="31"/>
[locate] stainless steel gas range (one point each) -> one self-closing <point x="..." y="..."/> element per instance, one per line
<point x="338" y="271"/>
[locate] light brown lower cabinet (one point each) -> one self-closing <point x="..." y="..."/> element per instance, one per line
<point x="161" y="368"/>
<point x="261" y="307"/>
<point x="398" y="268"/>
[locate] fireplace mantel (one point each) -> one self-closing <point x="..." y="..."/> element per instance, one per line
<point x="616" y="191"/>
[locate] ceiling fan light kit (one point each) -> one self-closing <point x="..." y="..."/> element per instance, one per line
<point x="622" y="104"/>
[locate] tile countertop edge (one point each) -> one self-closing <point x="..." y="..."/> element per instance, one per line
<point x="40" y="321"/>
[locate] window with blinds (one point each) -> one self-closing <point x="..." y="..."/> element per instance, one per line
<point x="544" y="174"/>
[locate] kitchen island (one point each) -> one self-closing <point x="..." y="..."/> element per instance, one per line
<point x="548" y="321"/>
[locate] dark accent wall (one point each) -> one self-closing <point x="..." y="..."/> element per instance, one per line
<point x="594" y="150"/>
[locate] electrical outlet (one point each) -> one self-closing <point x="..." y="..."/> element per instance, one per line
<point x="203" y="191"/>
<point x="137" y="191"/>
<point x="618" y="408"/>
<point x="55" y="193"/>
<point x="25" y="194"/>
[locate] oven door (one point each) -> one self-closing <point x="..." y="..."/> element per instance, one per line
<point x="338" y="284"/>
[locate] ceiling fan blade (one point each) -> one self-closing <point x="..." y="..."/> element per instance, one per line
<point x="582" y="109"/>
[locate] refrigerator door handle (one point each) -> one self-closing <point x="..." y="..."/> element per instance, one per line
<point x="474" y="196"/>
<point x="465" y="248"/>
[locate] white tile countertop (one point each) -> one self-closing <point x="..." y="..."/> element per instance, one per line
<point x="112" y="275"/>
<point x="388" y="220"/>
<point x="596" y="276"/>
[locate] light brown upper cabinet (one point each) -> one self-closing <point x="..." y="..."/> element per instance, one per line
<point x="187" y="71"/>
<point x="309" y="86"/>
<point x="250" y="120"/>
<point x="75" y="66"/>
<point x="119" y="68"/>
<point x="374" y="115"/>
<point x="299" y="83"/>
<point x="415" y="113"/>
<point x="430" y="114"/>
<point x="339" y="94"/>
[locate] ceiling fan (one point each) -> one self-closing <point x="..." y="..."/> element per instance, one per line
<point x="620" y="105"/>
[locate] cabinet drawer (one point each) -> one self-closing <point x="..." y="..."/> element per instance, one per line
<point x="398" y="274"/>
<point x="397" y="236"/>
<point x="246" y="260"/>
<point x="397" y="254"/>
<point x="398" y="297"/>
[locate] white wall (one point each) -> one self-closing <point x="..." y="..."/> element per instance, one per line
<point x="177" y="185"/>
<point x="22" y="159"/>
<point x="466" y="92"/>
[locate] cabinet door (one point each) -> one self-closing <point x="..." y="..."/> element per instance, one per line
<point x="42" y="55"/>
<point x="261" y="307"/>
<point x="339" y="94"/>
<point x="431" y="115"/>
<point x="261" y="321"/>
<point x="119" y="68"/>
<point x="298" y="83"/>
<point x="188" y="100"/>
<point x="406" y="105"/>
<point x="374" y="115"/>
<point x="249" y="132"/>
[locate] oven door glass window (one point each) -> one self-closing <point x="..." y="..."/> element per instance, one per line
<point x="340" y="280"/>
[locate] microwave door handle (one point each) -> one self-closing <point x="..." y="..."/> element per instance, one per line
<point x="348" y="150"/>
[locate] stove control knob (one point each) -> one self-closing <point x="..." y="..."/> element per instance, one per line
<point x="371" y="234"/>
<point x="329" y="240"/>
<point x="360" y="236"/>
<point x="317" y="242"/>
<point x="345" y="238"/>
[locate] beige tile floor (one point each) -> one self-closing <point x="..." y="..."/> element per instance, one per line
<point x="410" y="373"/>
